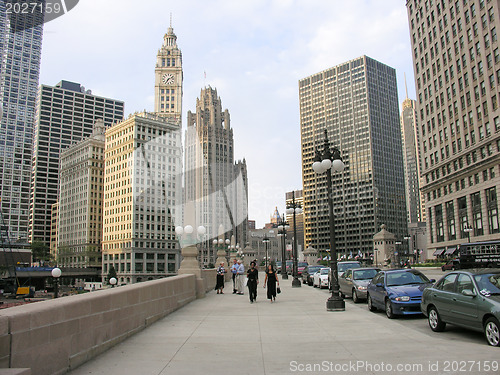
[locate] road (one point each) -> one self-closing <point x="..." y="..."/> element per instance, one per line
<point x="419" y="322"/>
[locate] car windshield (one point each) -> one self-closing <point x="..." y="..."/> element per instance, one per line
<point x="302" y="264"/>
<point x="488" y="284"/>
<point x="345" y="266"/>
<point x="313" y="269"/>
<point x="406" y="278"/>
<point x="324" y="271"/>
<point x="364" y="274"/>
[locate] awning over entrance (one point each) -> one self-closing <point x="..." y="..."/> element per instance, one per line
<point x="439" y="251"/>
<point x="450" y="250"/>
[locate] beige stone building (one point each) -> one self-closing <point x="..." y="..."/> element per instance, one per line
<point x="456" y="58"/>
<point x="79" y="223"/>
<point x="141" y="191"/>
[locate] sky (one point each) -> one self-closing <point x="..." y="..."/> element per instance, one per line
<point x="252" y="51"/>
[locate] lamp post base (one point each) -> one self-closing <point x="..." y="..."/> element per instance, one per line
<point x="335" y="303"/>
<point x="296" y="283"/>
<point x="284" y="276"/>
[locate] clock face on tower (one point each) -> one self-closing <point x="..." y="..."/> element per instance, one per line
<point x="168" y="79"/>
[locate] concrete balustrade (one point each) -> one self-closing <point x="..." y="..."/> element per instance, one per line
<point x="52" y="337"/>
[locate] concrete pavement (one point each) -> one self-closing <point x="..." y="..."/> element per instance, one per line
<point x="225" y="334"/>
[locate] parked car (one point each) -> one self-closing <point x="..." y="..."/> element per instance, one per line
<point x="398" y="292"/>
<point x="289" y="266"/>
<point x="354" y="281"/>
<point x="320" y="278"/>
<point x="469" y="299"/>
<point x="451" y="265"/>
<point x="278" y="266"/>
<point x="300" y="267"/>
<point x="344" y="266"/>
<point x="307" y="274"/>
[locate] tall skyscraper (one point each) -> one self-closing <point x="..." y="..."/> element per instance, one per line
<point x="142" y="189"/>
<point x="356" y="102"/>
<point x="215" y="186"/>
<point x="81" y="195"/>
<point x="65" y="114"/>
<point x="169" y="77"/>
<point x="20" y="52"/>
<point x="412" y="157"/>
<point x="456" y="60"/>
<point x="143" y="186"/>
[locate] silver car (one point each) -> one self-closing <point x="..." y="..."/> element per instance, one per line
<point x="354" y="282"/>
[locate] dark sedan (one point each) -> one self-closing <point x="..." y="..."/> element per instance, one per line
<point x="307" y="274"/>
<point x="398" y="292"/>
<point x="470" y="299"/>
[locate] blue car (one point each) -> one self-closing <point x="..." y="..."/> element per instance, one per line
<point x="398" y="292"/>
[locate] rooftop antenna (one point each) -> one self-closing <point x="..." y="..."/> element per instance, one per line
<point x="170" y="19"/>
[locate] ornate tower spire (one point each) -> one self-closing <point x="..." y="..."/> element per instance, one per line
<point x="169" y="77"/>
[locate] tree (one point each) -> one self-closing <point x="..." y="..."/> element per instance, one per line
<point x="40" y="251"/>
<point x="111" y="273"/>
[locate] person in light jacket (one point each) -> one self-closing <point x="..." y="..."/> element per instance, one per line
<point x="240" y="277"/>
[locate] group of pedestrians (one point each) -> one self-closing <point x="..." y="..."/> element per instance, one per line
<point x="252" y="280"/>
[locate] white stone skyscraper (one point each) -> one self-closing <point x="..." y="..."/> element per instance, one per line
<point x="215" y="186"/>
<point x="20" y="53"/>
<point x="142" y="186"/>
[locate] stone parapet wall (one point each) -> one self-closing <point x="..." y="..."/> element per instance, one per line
<point x="52" y="337"/>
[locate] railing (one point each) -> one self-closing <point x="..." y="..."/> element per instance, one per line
<point x="55" y="336"/>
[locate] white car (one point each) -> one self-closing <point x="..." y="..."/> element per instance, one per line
<point x="320" y="278"/>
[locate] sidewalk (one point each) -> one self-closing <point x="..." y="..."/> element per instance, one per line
<point x="225" y="334"/>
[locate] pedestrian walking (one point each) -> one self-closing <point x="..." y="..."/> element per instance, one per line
<point x="253" y="281"/>
<point x="272" y="281"/>
<point x="221" y="271"/>
<point x="234" y="272"/>
<point x="240" y="277"/>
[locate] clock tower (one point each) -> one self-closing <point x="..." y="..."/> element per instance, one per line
<point x="168" y="78"/>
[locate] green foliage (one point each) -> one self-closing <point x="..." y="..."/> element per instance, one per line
<point x="210" y="265"/>
<point x="40" y="251"/>
<point x="111" y="273"/>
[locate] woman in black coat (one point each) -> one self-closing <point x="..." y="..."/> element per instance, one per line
<point x="272" y="281"/>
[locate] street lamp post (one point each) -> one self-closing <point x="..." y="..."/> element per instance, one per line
<point x="407" y="251"/>
<point x="397" y="257"/>
<point x="468" y="229"/>
<point x="324" y="162"/>
<point x="294" y="208"/>
<point x="56" y="274"/>
<point x="266" y="241"/>
<point x="282" y="228"/>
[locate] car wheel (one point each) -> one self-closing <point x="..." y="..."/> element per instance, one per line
<point x="435" y="322"/>
<point x="370" y="304"/>
<point x="453" y="268"/>
<point x="492" y="332"/>
<point x="355" y="297"/>
<point x="388" y="309"/>
<point x="342" y="295"/>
